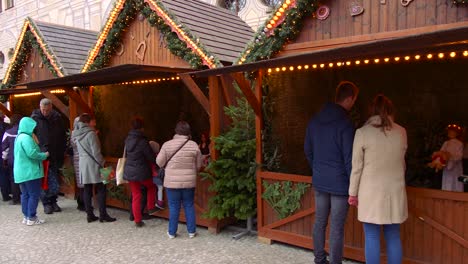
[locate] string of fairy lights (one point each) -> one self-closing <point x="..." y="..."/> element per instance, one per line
<point x="275" y="20"/>
<point x="182" y="35"/>
<point x="407" y="58"/>
<point x="174" y="78"/>
<point x="207" y="60"/>
<point x="58" y="91"/>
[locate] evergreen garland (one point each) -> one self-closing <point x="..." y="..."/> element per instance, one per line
<point x="18" y="64"/>
<point x="233" y="173"/>
<point x="264" y="47"/>
<point x="128" y="14"/>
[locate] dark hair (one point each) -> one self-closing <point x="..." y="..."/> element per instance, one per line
<point x="137" y="122"/>
<point x="182" y="128"/>
<point x="85" y="118"/>
<point x="15" y="118"/>
<point x="383" y="107"/>
<point x="344" y="90"/>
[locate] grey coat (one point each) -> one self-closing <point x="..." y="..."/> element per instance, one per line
<point x="88" y="145"/>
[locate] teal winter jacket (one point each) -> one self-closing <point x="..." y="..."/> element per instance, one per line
<point x="27" y="156"/>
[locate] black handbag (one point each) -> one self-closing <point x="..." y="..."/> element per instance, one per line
<point x="162" y="169"/>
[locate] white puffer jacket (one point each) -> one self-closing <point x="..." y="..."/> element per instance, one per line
<point x="182" y="169"/>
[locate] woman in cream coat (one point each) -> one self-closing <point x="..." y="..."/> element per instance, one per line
<point x="377" y="184"/>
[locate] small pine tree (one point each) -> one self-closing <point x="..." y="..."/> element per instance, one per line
<point x="233" y="173"/>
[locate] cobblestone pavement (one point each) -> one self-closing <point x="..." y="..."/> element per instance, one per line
<point x="66" y="237"/>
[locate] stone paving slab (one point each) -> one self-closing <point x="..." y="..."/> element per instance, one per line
<point x="66" y="237"/>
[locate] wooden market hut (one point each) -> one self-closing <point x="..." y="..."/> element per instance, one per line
<point x="45" y="51"/>
<point x="414" y="52"/>
<point x="133" y="70"/>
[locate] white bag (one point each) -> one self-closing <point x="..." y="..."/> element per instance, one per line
<point x="119" y="171"/>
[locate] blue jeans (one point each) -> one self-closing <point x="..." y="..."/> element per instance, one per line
<point x="392" y="241"/>
<point x="49" y="196"/>
<point x="335" y="206"/>
<point x="175" y="198"/>
<point x="30" y="193"/>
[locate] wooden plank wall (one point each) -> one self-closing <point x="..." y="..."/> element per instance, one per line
<point x="435" y="232"/>
<point x="382" y="20"/>
<point x="156" y="52"/>
<point x="34" y="69"/>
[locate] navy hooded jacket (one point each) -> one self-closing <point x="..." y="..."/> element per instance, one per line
<point x="328" y="146"/>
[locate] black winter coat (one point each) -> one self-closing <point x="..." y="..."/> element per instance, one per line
<point x="140" y="156"/>
<point x="51" y="133"/>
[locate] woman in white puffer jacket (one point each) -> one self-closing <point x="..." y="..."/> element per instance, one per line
<point x="180" y="176"/>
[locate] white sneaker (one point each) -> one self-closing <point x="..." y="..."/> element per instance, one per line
<point x="170" y="236"/>
<point x="24" y="221"/>
<point x="37" y="221"/>
<point x="192" y="235"/>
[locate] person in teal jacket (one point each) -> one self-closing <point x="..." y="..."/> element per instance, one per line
<point x="27" y="169"/>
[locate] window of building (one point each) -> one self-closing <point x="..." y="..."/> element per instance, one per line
<point x="272" y="3"/>
<point x="232" y="5"/>
<point x="2" y="59"/>
<point x="10" y="3"/>
<point x="11" y="51"/>
<point x="1" y="9"/>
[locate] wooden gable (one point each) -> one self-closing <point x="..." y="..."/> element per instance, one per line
<point x="34" y="69"/>
<point x="143" y="44"/>
<point x="379" y="20"/>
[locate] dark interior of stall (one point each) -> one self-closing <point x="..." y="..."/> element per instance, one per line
<point x="25" y="105"/>
<point x="427" y="94"/>
<point x="161" y="105"/>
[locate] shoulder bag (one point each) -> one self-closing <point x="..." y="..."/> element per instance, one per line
<point x="162" y="169"/>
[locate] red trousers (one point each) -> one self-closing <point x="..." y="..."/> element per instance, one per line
<point x="135" y="187"/>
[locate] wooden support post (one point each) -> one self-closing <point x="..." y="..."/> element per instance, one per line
<point x="259" y="150"/>
<point x="247" y="91"/>
<point x="78" y="101"/>
<point x="215" y="117"/>
<point x="57" y="103"/>
<point x="196" y="91"/>
<point x="5" y="110"/>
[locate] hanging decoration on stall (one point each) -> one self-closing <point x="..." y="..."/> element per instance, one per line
<point x="383" y="2"/>
<point x="141" y="50"/>
<point x="356" y="9"/>
<point x="405" y="3"/>
<point x="322" y="13"/>
<point x="29" y="39"/>
<point x="179" y="40"/>
<point x="266" y="45"/>
<point x="119" y="50"/>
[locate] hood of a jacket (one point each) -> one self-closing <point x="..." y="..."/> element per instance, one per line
<point x="82" y="130"/>
<point x="27" y="126"/>
<point x="331" y="113"/>
<point x="132" y="139"/>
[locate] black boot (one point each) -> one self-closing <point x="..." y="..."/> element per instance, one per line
<point x="56" y="208"/>
<point x="92" y="218"/>
<point x="106" y="218"/>
<point x="48" y="209"/>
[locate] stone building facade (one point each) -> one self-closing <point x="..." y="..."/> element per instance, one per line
<point x="88" y="14"/>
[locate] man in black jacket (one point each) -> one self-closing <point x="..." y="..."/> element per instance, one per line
<point x="51" y="133"/>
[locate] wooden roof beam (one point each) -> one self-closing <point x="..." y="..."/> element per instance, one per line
<point x="79" y="101"/>
<point x="244" y="85"/>
<point x="197" y="92"/>
<point x="5" y="110"/>
<point x="57" y="103"/>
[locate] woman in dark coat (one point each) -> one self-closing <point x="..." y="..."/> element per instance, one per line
<point x="137" y="169"/>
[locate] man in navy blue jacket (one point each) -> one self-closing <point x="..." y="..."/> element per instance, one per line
<point x="328" y="146"/>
